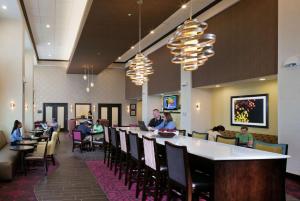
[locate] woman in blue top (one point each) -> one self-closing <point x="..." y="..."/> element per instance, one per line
<point x="16" y="133"/>
<point x="167" y="123"/>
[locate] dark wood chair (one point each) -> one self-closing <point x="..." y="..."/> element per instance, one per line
<point x="136" y="163"/>
<point x="40" y="155"/>
<point x="78" y="140"/>
<point x="107" y="145"/>
<point x="155" y="172"/>
<point x="115" y="149"/>
<point x="199" y="135"/>
<point x="227" y="140"/>
<point x="181" y="182"/>
<point x="124" y="154"/>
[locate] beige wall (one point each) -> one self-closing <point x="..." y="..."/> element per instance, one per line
<point x="11" y="76"/>
<point x="53" y="85"/>
<point x="289" y="82"/>
<point x="221" y="104"/>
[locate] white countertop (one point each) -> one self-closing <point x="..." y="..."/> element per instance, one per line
<point x="212" y="150"/>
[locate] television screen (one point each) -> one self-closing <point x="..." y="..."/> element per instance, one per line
<point x="170" y="102"/>
<point x="250" y="110"/>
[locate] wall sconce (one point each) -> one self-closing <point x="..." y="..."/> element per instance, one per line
<point x="71" y="108"/>
<point x="34" y="107"/>
<point x="12" y="105"/>
<point x="197" y="106"/>
<point x="94" y="108"/>
<point x="26" y="107"/>
<point x="128" y="108"/>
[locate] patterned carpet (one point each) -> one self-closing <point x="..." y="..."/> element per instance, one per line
<point x="116" y="190"/>
<point x="21" y="188"/>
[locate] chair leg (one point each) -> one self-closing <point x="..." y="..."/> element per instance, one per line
<point x="130" y="174"/>
<point x="104" y="150"/>
<point x="121" y="165"/>
<point x="138" y="177"/>
<point x="145" y="184"/>
<point x="113" y="157"/>
<point x="53" y="159"/>
<point x="126" y="169"/>
<point x="157" y="182"/>
<point x="169" y="195"/>
<point x="116" y="161"/>
<point x="108" y="155"/>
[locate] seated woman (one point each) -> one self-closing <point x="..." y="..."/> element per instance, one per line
<point x="215" y="131"/>
<point x="98" y="129"/>
<point x="16" y="133"/>
<point x="167" y="123"/>
<point x="245" y="138"/>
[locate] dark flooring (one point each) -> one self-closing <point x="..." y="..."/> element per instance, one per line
<point x="72" y="180"/>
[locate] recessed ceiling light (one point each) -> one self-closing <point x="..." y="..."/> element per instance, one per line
<point x="48" y="26"/>
<point x="129" y="14"/>
<point x="262" y="79"/>
<point x="152" y="32"/>
<point x="49" y="55"/>
<point x="217" y="85"/>
<point x="132" y="47"/>
<point x="98" y="53"/>
<point x="183" y="6"/>
<point x="119" y="58"/>
<point x="49" y="43"/>
<point x="4" y="7"/>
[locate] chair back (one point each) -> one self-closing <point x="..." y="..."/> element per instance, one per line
<point x="52" y="144"/>
<point x="135" y="150"/>
<point x="177" y="162"/>
<point x="113" y="136"/>
<point x="275" y="148"/>
<point x="77" y="136"/>
<point x="106" y="134"/>
<point x="182" y="132"/>
<point x="123" y="140"/>
<point x="227" y="140"/>
<point x="150" y="153"/>
<point x="71" y="125"/>
<point x="41" y="148"/>
<point x="202" y="136"/>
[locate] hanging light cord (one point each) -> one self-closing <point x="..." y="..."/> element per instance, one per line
<point x="140" y="23"/>
<point x="191" y="9"/>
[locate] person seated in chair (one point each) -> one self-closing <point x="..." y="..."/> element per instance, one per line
<point x="16" y="136"/>
<point x="98" y="129"/>
<point x="167" y="123"/>
<point x="156" y="119"/>
<point x="215" y="131"/>
<point x="54" y="124"/>
<point x="245" y="138"/>
<point x="85" y="131"/>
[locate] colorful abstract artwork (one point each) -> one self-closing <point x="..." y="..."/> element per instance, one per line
<point x="251" y="110"/>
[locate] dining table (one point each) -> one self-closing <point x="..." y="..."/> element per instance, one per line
<point x="238" y="173"/>
<point x="22" y="149"/>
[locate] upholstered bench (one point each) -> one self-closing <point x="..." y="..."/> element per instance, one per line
<point x="261" y="137"/>
<point x="8" y="159"/>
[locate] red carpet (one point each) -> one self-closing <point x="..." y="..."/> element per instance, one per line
<point x="21" y="187"/>
<point x="114" y="188"/>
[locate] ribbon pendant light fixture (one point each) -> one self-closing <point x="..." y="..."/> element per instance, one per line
<point x="190" y="46"/>
<point x="140" y="67"/>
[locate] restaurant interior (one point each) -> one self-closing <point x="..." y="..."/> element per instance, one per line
<point x="127" y="100"/>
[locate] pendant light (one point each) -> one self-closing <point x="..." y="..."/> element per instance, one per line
<point x="140" y="67"/>
<point x="88" y="83"/>
<point x="84" y="76"/>
<point x="190" y="46"/>
<point x="92" y="75"/>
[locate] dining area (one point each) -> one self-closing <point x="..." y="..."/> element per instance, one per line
<point x="191" y="169"/>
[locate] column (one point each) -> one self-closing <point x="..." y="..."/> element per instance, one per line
<point x="186" y="100"/>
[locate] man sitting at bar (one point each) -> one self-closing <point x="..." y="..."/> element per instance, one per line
<point x="167" y="123"/>
<point x="245" y="138"/>
<point x="156" y="120"/>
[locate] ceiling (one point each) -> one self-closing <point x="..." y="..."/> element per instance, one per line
<point x="109" y="31"/>
<point x="9" y="9"/>
<point x="56" y="41"/>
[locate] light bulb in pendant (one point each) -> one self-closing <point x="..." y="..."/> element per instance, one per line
<point x="84" y="77"/>
<point x="88" y="89"/>
<point x="92" y="84"/>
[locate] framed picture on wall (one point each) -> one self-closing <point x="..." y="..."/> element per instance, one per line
<point x="132" y="109"/>
<point x="250" y="110"/>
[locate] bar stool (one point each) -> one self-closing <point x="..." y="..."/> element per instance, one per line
<point x="107" y="145"/>
<point x="115" y="149"/>
<point x="124" y="154"/>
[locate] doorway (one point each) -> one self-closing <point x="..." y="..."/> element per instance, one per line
<point x="111" y="112"/>
<point x="59" y="111"/>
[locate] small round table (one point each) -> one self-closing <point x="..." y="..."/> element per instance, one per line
<point x="27" y="142"/>
<point x="22" y="149"/>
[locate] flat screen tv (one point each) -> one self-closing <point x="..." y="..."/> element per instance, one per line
<point x="170" y="102"/>
<point x="250" y="110"/>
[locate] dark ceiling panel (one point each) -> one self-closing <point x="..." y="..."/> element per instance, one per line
<point x="109" y="31"/>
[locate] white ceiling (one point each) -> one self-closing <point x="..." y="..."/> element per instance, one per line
<point x="64" y="18"/>
<point x="12" y="10"/>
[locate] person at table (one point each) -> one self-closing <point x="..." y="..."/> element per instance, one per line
<point x="245" y="138"/>
<point x="85" y="130"/>
<point x="98" y="129"/>
<point x="215" y="131"/>
<point x="54" y="124"/>
<point x="156" y="119"/>
<point x="16" y="136"/>
<point x="90" y="115"/>
<point x="167" y="122"/>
